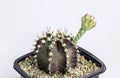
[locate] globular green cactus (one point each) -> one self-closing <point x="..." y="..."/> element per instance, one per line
<point x="57" y="53"/>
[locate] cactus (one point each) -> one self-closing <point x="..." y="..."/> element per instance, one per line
<point x="57" y="53"/>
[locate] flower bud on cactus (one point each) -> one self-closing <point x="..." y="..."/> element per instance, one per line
<point x="88" y="22"/>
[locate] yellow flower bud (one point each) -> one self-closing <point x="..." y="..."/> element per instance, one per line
<point x="88" y="22"/>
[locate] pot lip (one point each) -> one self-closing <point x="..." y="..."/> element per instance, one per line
<point x="82" y="52"/>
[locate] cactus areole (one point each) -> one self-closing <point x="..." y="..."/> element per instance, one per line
<point x="58" y="53"/>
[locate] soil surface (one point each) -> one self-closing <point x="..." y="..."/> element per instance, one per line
<point x="84" y="67"/>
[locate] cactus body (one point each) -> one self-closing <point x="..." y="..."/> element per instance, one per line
<point x="55" y="54"/>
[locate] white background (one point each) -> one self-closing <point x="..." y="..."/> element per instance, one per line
<point x="22" y="20"/>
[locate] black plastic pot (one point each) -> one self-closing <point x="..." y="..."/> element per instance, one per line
<point x="87" y="55"/>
